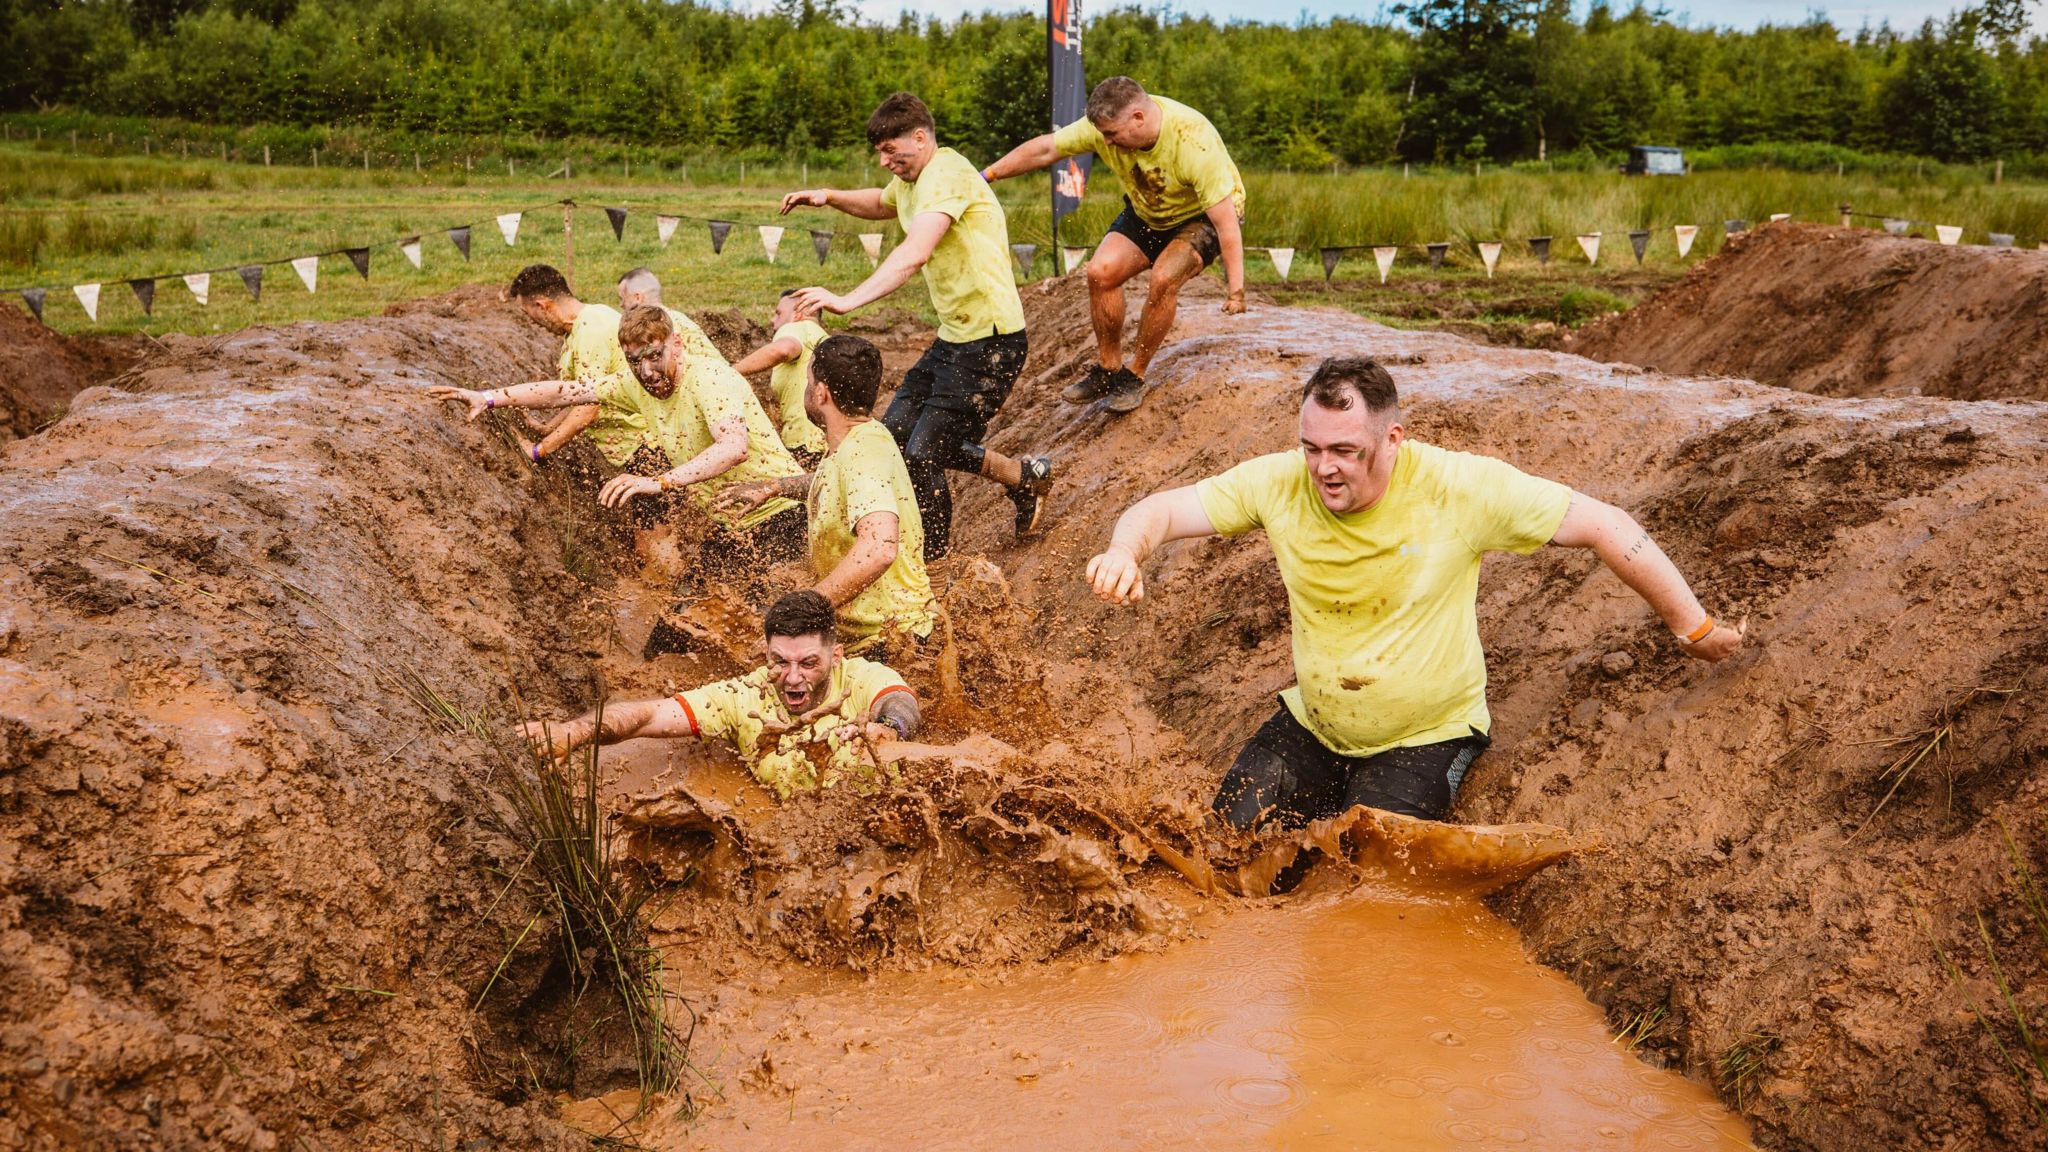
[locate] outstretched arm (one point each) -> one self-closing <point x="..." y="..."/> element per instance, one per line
<point x="728" y="450"/>
<point x="573" y="421"/>
<point x="660" y="718"/>
<point x="1230" y="238"/>
<point x="538" y="394"/>
<point x="865" y="203"/>
<point x="1030" y="156"/>
<point x="1175" y="514"/>
<point x="1629" y="553"/>
<point x="894" y="272"/>
<point x="874" y="549"/>
<point x="768" y="356"/>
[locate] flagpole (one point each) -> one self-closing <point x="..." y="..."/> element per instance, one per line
<point x="568" y="244"/>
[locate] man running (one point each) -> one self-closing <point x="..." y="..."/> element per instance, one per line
<point x="808" y="694"/>
<point x="1183" y="206"/>
<point x="787" y="360"/>
<point x="867" y="543"/>
<point x="954" y="231"/>
<point x="1378" y="539"/>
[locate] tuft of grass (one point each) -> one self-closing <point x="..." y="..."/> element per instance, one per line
<point x="1579" y="305"/>
<point x="1639" y="1028"/>
<point x="1742" y="1062"/>
<point x="1931" y="744"/>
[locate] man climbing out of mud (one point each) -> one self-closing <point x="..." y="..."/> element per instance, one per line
<point x="955" y="231"/>
<point x="1183" y="207"/>
<point x="867" y="543"/>
<point x="1378" y="539"/>
<point x="787" y="360"/>
<point x="808" y="695"/>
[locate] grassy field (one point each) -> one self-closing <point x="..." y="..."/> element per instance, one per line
<point x="71" y="219"/>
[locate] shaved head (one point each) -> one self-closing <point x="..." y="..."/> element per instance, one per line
<point x="640" y="286"/>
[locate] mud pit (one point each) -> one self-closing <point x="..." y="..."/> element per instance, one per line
<point x="851" y="962"/>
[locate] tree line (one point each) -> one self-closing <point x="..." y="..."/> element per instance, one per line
<point x="1436" y="81"/>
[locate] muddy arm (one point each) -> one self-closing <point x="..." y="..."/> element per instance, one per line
<point x="573" y="421"/>
<point x="768" y="356"/>
<point x="1230" y="238"/>
<point x="1629" y="553"/>
<point x="627" y="721"/>
<point x="874" y="549"/>
<point x="728" y="450"/>
<point x="894" y="272"/>
<point x="899" y="710"/>
<point x="1175" y="514"/>
<point x="1030" y="156"/>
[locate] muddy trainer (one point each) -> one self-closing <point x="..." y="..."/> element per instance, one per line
<point x="1378" y="539"/>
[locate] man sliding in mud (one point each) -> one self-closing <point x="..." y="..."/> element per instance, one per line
<point x="810" y="697"/>
<point x="867" y="544"/>
<point x="955" y="231"/>
<point x="787" y="360"/>
<point x="1378" y="539"/>
<point x="1183" y="207"/>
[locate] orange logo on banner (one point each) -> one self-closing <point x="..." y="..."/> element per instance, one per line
<point x="1061" y="10"/>
<point x="1073" y="183"/>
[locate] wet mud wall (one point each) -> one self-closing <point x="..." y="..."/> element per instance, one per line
<point x="42" y="369"/>
<point x="1780" y="863"/>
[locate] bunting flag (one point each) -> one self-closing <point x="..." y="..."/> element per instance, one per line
<point x="871" y="243"/>
<point x="411" y="247"/>
<point x="199" y="283"/>
<point x="1685" y="233"/>
<point x="720" y="229"/>
<point x="1540" y="246"/>
<point x="360" y="257"/>
<point x="1384" y="257"/>
<point x="1489" y="254"/>
<point x="1777" y="216"/>
<point x="2001" y="239"/>
<point x="618" y="218"/>
<point x="1072" y="258"/>
<point x="1589" y="243"/>
<point x="252" y="279"/>
<point x="1897" y="227"/>
<point x="509" y="225"/>
<point x="1640" y="241"/>
<point x="771" y="239"/>
<point x="665" y="227"/>
<point x="1948" y="233"/>
<point x="1024" y="254"/>
<point x="460" y="238"/>
<point x="89" y="295"/>
<point x="1436" y="255"/>
<point x="821" y="243"/>
<point x="1283" y="259"/>
<point x="1330" y="258"/>
<point x="33" y="297"/>
<point x="145" y="294"/>
<point x="308" y="268"/>
<point x="1732" y="227"/>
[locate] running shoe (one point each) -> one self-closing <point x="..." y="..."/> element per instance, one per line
<point x="1126" y="393"/>
<point x="1029" y="496"/>
<point x="1093" y="386"/>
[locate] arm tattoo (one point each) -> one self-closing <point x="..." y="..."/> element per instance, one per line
<point x="900" y="707"/>
<point x="1637" y="547"/>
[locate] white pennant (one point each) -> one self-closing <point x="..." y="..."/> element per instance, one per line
<point x="1283" y="259"/>
<point x="411" y="248"/>
<point x="198" y="282"/>
<point x="89" y="295"/>
<point x="1384" y="257"/>
<point x="1072" y="258"/>
<point x="1489" y="252"/>
<point x="665" y="227"/>
<point x="308" y="268"/>
<point x="1897" y="227"/>
<point x="871" y="242"/>
<point x="771" y="240"/>
<point x="1589" y="243"/>
<point x="1949" y="233"/>
<point x="509" y="225"/>
<point x="1777" y="216"/>
<point x="1685" y="233"/>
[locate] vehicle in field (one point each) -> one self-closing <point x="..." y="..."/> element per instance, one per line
<point x="1654" y="160"/>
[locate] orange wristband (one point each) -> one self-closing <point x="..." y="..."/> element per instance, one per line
<point x="1700" y="633"/>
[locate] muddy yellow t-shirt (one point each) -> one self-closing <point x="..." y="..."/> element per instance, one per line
<point x="786" y="381"/>
<point x="862" y="476"/>
<point x="1384" y="601"/>
<point x="802" y="759"/>
<point x="591" y="355"/>
<point x="1186" y="172"/>
<point x="710" y="392"/>
<point x="973" y="290"/>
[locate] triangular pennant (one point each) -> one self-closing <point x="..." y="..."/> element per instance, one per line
<point x="2001" y="239"/>
<point x="145" y="293"/>
<point x="88" y="295"/>
<point x="308" y="268"/>
<point x="360" y="257"/>
<point x="618" y="218"/>
<point x="509" y="225"/>
<point x="665" y="227"/>
<point x="871" y="243"/>
<point x="1283" y="259"/>
<point x="1589" y="243"/>
<point x="252" y="279"/>
<point x="1685" y="233"/>
<point x="1436" y="255"/>
<point x="1948" y="233"/>
<point x="199" y="283"/>
<point x="1072" y="258"/>
<point x="1384" y="257"/>
<point x="1777" y="216"/>
<point x="1732" y="227"/>
<point x="1640" y="241"/>
<point x="1024" y="254"/>
<point x="821" y="243"/>
<point x="33" y="297"/>
<point x="720" y="229"/>
<point x="411" y="247"/>
<point x="460" y="238"/>
<point x="771" y="239"/>
<point x="1897" y="227"/>
<point x="1330" y="258"/>
<point x="1540" y="246"/>
<point x="1489" y="254"/>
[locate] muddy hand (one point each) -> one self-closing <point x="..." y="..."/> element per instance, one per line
<point x="808" y="198"/>
<point x="1116" y="578"/>
<point x="477" y="404"/>
<point x="1233" y="304"/>
<point x="625" y="486"/>
<point x="1719" y="644"/>
<point x="552" y="740"/>
<point x="826" y="709"/>
<point x="740" y="499"/>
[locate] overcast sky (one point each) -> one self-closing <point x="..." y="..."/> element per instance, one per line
<point x="1903" y="14"/>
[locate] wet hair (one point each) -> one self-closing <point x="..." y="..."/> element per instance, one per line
<point x="804" y="613"/>
<point x="539" y="282"/>
<point x="1336" y="380"/>
<point x="899" y="116"/>
<point x="642" y="280"/>
<point x="850" y="368"/>
<point x="644" y="324"/>
<point x="1112" y="98"/>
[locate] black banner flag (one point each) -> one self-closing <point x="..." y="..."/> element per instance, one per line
<point x="720" y="229"/>
<point x="252" y="279"/>
<point x="460" y="238"/>
<point x="1069" y="103"/>
<point x="145" y="294"/>
<point x="1540" y="245"/>
<point x="33" y="297"/>
<point x="618" y="218"/>
<point x="360" y="257"/>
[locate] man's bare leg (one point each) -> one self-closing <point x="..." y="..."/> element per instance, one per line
<point x="1114" y="263"/>
<point x="1177" y="265"/>
<point x="1004" y="470"/>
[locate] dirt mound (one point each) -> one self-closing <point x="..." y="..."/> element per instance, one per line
<point x="1763" y="913"/>
<point x="42" y="369"/>
<point x="1846" y="312"/>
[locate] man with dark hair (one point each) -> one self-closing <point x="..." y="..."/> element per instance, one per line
<point x="867" y="541"/>
<point x="1378" y="539"/>
<point x="787" y="360"/>
<point x="1183" y="207"/>
<point x="807" y="694"/>
<point x="955" y="232"/>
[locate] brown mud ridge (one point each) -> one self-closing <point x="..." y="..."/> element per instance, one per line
<point x="1846" y="312"/>
<point x="42" y="369"/>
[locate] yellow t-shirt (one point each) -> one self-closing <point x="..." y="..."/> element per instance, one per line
<point x="973" y="290"/>
<point x="1186" y="172"/>
<point x="862" y="476"/>
<point x="591" y="355"/>
<point x="709" y="392"/>
<point x="735" y="710"/>
<point x="787" y="380"/>
<point x="1383" y="601"/>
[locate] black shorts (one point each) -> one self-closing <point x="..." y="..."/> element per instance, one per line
<point x="973" y="377"/>
<point x="1196" y="230"/>
<point x="1285" y="774"/>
